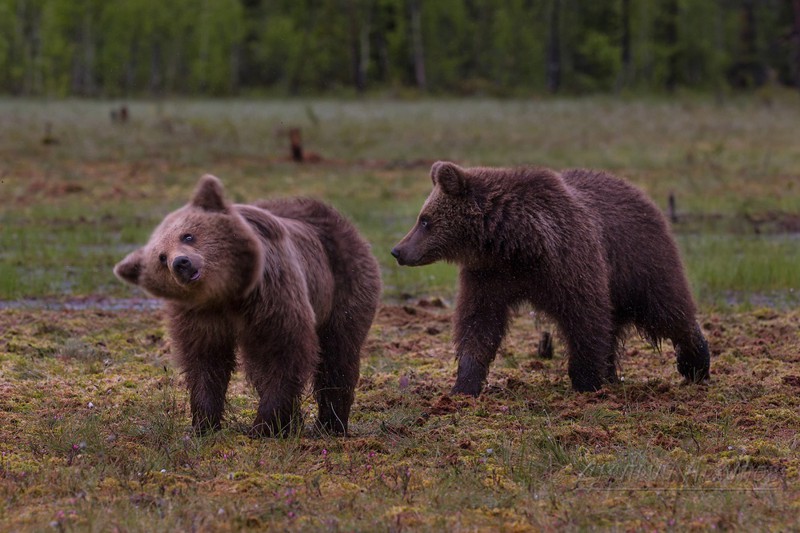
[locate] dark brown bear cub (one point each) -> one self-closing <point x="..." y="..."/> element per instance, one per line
<point x="288" y="284"/>
<point x="582" y="246"/>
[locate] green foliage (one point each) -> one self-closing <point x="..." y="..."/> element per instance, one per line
<point x="702" y="59"/>
<point x="592" y="52"/>
<point x="447" y="31"/>
<point x="216" y="34"/>
<point x="278" y="51"/>
<point x="221" y="47"/>
<point x="597" y="62"/>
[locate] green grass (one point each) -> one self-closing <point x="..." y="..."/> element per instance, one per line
<point x="690" y="140"/>
<point x="71" y="210"/>
<point x="746" y="269"/>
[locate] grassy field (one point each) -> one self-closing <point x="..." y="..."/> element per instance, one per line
<point x="95" y="431"/>
<point x="70" y="210"/>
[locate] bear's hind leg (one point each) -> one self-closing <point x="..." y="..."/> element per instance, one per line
<point x="668" y="313"/>
<point x="279" y="413"/>
<point x="612" y="356"/>
<point x="337" y="374"/>
<point x="278" y="365"/>
<point x="587" y="371"/>
<point x="277" y="416"/>
<point x="592" y="356"/>
<point x="691" y="350"/>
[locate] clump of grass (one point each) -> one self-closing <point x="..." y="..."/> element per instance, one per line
<point x="83" y="351"/>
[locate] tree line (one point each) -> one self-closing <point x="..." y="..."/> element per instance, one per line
<point x="495" y="47"/>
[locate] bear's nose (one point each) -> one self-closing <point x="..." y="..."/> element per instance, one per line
<point x="398" y="255"/>
<point x="181" y="263"/>
<point x="184" y="269"/>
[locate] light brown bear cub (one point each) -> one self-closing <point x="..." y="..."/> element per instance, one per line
<point x="586" y="248"/>
<point x="289" y="284"/>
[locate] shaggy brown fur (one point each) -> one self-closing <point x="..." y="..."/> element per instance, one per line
<point x="583" y="246"/>
<point x="289" y="284"/>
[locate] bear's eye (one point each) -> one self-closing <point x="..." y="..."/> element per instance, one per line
<point x="163" y="259"/>
<point x="187" y="238"/>
<point x="424" y="223"/>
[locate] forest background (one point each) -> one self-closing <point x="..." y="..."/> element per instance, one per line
<point x="134" y="48"/>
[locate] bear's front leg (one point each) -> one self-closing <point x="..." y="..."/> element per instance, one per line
<point x="278" y="364"/>
<point x="204" y="349"/>
<point x="480" y="322"/>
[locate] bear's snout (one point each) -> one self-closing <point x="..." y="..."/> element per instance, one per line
<point x="401" y="254"/>
<point x="184" y="269"/>
<point x="397" y="255"/>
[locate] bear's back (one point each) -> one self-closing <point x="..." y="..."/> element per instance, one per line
<point x="606" y="192"/>
<point x="637" y="238"/>
<point x="348" y="254"/>
<point x="331" y="228"/>
<point x="307" y="210"/>
<point x="619" y="205"/>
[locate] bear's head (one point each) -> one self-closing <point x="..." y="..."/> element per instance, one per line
<point x="202" y="254"/>
<point x="449" y="223"/>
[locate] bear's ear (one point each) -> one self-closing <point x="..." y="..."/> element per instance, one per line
<point x="130" y="268"/>
<point x="209" y="195"/>
<point x="450" y="177"/>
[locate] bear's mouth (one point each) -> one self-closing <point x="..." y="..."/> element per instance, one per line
<point x="187" y="276"/>
<point x="185" y="270"/>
